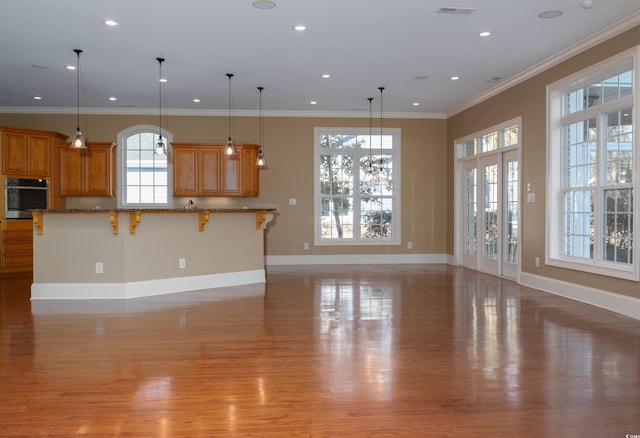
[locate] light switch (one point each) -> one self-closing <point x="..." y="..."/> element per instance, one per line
<point x="292" y="201"/>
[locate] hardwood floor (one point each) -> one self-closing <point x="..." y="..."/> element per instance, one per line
<point x="402" y="351"/>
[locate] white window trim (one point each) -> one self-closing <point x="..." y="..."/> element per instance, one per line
<point x="397" y="220"/>
<point x="122" y="166"/>
<point x="554" y="220"/>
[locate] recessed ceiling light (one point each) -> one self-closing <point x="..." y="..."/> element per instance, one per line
<point x="70" y="67"/>
<point x="549" y="14"/>
<point x="39" y="67"/>
<point x="416" y="104"/>
<point x="163" y="80"/>
<point x="455" y="78"/>
<point x="264" y="4"/>
<point x="110" y="22"/>
<point x="300" y="27"/>
<point x="196" y="100"/>
<point x="37" y="97"/>
<point x="484" y="34"/>
<point x="113" y="98"/>
<point x="313" y="102"/>
<point x="326" y="75"/>
<point x="587" y="4"/>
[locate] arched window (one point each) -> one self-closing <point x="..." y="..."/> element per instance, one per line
<point x="144" y="177"/>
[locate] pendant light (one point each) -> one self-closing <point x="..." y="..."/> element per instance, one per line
<point x="78" y="139"/>
<point x="261" y="161"/>
<point x="381" y="162"/>
<point x="161" y="148"/>
<point x="231" y="149"/>
<point x="369" y="170"/>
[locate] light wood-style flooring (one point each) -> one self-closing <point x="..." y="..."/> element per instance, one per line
<point x="326" y="351"/>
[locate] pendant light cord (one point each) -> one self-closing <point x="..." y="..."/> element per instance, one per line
<point x="78" y="52"/>
<point x="229" y="75"/>
<point x="381" y="126"/>
<point x="260" y="115"/>
<point x="370" y="132"/>
<point x="160" y="61"/>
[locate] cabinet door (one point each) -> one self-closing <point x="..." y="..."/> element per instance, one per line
<point x="98" y="167"/>
<point x="70" y="172"/>
<point x="184" y="171"/>
<point x="38" y="155"/>
<point x="231" y="174"/>
<point x="250" y="176"/>
<point x="14" y="153"/>
<point x="209" y="171"/>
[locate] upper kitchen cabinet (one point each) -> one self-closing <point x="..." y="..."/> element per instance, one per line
<point x="27" y="153"/>
<point x="85" y="172"/>
<point x="206" y="170"/>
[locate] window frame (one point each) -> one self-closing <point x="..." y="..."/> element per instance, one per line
<point x="556" y="168"/>
<point x="122" y="157"/>
<point x="396" y="238"/>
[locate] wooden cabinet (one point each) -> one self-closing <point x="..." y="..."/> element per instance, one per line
<point x="205" y="170"/>
<point x="27" y="153"/>
<point x="85" y="172"/>
<point x="17" y="248"/>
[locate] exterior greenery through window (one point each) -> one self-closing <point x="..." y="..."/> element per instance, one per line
<point x="592" y="183"/>
<point x="357" y="192"/>
<point x="145" y="175"/>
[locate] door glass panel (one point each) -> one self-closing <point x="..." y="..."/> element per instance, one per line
<point x="471" y="210"/>
<point x="490" y="247"/>
<point x="512" y="220"/>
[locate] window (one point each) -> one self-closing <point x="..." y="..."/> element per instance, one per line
<point x="144" y="176"/>
<point x="357" y="191"/>
<point x="590" y="162"/>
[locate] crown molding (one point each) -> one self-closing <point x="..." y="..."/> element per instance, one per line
<point x="593" y="40"/>
<point x="215" y="113"/>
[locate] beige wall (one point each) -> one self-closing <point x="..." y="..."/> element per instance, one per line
<point x="288" y="145"/>
<point x="528" y="100"/>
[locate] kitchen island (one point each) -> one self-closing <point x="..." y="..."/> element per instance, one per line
<point x="131" y="253"/>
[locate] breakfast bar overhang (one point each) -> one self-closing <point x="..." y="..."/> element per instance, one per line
<point x="127" y="253"/>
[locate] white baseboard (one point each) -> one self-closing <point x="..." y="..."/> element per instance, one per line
<point x="622" y="304"/>
<point x="356" y="259"/>
<point x="138" y="289"/>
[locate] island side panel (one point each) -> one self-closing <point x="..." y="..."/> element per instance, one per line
<point x="70" y="246"/>
<point x="229" y="243"/>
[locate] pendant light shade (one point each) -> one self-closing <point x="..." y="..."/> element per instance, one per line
<point x="231" y="149"/>
<point x="78" y="139"/>
<point x="161" y="148"/>
<point x="261" y="161"/>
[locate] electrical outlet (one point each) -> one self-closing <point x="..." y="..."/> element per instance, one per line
<point x="99" y="268"/>
<point x="306" y="245"/>
<point x="182" y="263"/>
<point x="537" y="261"/>
<point x="409" y="245"/>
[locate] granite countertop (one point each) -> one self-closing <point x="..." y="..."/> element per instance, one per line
<point x="152" y="210"/>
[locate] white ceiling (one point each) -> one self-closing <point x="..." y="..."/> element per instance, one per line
<point x="403" y="45"/>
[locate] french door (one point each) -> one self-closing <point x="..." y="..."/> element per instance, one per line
<point x="490" y="214"/>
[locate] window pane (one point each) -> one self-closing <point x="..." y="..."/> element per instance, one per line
<point x="512" y="212"/>
<point x="489" y="142"/>
<point x="580" y="153"/>
<point x="620" y="147"/>
<point x="511" y="136"/>
<point x="618" y="225"/>
<point x="578" y="224"/>
<point x="146" y="173"/>
<point x="337" y="218"/>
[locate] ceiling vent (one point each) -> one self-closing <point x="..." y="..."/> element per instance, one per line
<point x="494" y="79"/>
<point x="455" y="11"/>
